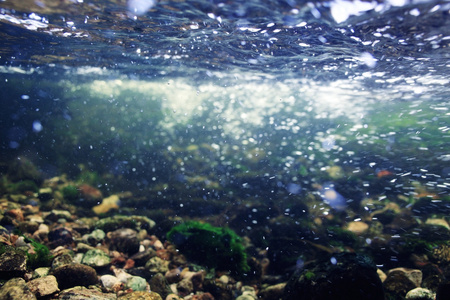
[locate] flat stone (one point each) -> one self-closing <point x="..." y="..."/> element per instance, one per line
<point x="141" y="296"/>
<point x="75" y="275"/>
<point x="96" y="258"/>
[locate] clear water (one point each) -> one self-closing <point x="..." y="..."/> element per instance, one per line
<point x="234" y="100"/>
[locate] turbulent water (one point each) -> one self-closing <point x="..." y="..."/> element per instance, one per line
<point x="255" y="96"/>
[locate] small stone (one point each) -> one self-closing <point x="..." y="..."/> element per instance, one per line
<point x="45" y="194"/>
<point x="41" y="272"/>
<point x="96" y="258"/>
<point x="157" y="265"/>
<point x="58" y="214"/>
<point x="141" y="296"/>
<point x="357" y="227"/>
<point x="16" y="288"/>
<point x="124" y="240"/>
<point x="173" y="297"/>
<point x="185" y="287"/>
<point x="159" y="284"/>
<point x="109" y="203"/>
<point x="75" y="274"/>
<point x="94" y="237"/>
<point x="44" y="286"/>
<point x="272" y="292"/>
<point x="136" y="283"/>
<point x="108" y="281"/>
<point x="420" y="294"/>
<point x="438" y="222"/>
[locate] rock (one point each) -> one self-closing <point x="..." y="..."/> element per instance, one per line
<point x="141" y="258"/>
<point x="185" y="287"/>
<point x="109" y="281"/>
<point x="157" y="265"/>
<point x="89" y="196"/>
<point x="401" y="280"/>
<point x="159" y="284"/>
<point x="173" y="275"/>
<point x="82" y="293"/>
<point x="75" y="275"/>
<point x="172" y="297"/>
<point x="96" y="258"/>
<point x="219" y="290"/>
<point x="357" y="227"/>
<point x="16" y="289"/>
<point x="341" y="276"/>
<point x="62" y="259"/>
<point x="94" y="237"/>
<point x="141" y="296"/>
<point x="137" y="283"/>
<point x="45" y="194"/>
<point x="55" y="215"/>
<point x="109" y="203"/>
<point x="12" y="264"/>
<point x="60" y="237"/>
<point x="438" y="222"/>
<point x="44" y="286"/>
<point x="41" y="272"/>
<point x="116" y="222"/>
<point x="272" y="292"/>
<point x="124" y="240"/>
<point x="420" y="294"/>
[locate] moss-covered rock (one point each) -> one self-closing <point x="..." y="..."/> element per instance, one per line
<point x="214" y="247"/>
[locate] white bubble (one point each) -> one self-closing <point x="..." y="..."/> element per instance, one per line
<point x="37" y="126"/>
<point x="333" y="260"/>
<point x="140" y="7"/>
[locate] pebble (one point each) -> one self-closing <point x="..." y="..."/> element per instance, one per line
<point x="420" y="294"/>
<point x="157" y="265"/>
<point x="110" y="203"/>
<point x="109" y="281"/>
<point x="141" y="296"/>
<point x="124" y="240"/>
<point x="44" y="286"/>
<point x="96" y="258"/>
<point x="16" y="288"/>
<point x="137" y="283"/>
<point x="357" y="227"/>
<point x="439" y="222"/>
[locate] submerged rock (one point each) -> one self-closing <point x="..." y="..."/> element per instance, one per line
<point x="44" y="286"/>
<point x="82" y="293"/>
<point x="347" y="276"/>
<point x="16" y="288"/>
<point x="75" y="275"/>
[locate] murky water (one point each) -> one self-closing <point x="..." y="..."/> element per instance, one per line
<point x="222" y="103"/>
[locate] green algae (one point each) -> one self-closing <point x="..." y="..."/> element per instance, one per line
<point x="214" y="247"/>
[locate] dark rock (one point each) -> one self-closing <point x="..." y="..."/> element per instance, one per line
<point x="116" y="222"/>
<point x="141" y="258"/>
<point x="124" y="240"/>
<point x="75" y="275"/>
<point x="348" y="276"/>
<point x="159" y="284"/>
<point x="218" y="289"/>
<point x="12" y="264"/>
<point x="16" y="289"/>
<point x="59" y="237"/>
<point x="400" y="281"/>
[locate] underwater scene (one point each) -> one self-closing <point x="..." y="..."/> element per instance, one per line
<point x="207" y="149"/>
